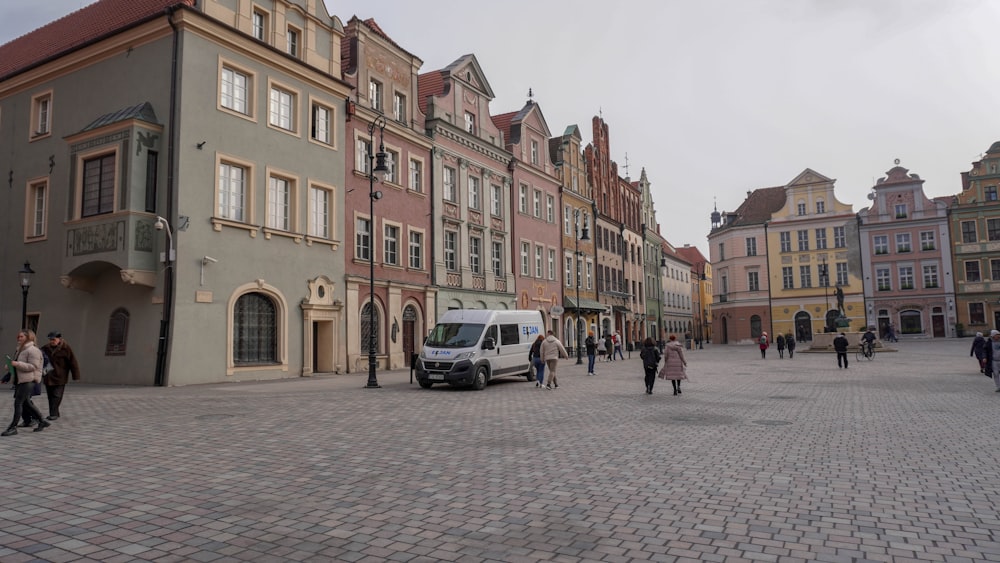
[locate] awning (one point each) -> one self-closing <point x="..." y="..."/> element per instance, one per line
<point x="620" y="309"/>
<point x="585" y="304"/>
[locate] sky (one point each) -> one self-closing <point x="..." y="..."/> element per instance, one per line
<point x="717" y="97"/>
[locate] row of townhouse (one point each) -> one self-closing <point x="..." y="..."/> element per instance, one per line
<point x="794" y="260"/>
<point x="200" y="201"/>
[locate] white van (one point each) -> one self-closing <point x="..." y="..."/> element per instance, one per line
<point x="469" y="347"/>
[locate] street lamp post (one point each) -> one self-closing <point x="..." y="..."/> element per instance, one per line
<point x="825" y="280"/>
<point x="25" y="274"/>
<point x="581" y="235"/>
<point x="379" y="161"/>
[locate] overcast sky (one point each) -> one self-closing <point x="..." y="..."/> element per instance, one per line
<point x="714" y="98"/>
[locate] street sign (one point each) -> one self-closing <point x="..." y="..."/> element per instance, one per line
<point x="556" y="310"/>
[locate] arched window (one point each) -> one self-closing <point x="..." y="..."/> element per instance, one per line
<point x="369" y="323"/>
<point x="255" y="338"/>
<point x="755" y="329"/>
<point x="117" y="333"/>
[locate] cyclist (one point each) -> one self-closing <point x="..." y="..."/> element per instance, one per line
<point x="868" y="342"/>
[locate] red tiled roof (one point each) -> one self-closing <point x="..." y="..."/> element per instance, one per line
<point x="76" y="30"/>
<point x="692" y="255"/>
<point x="503" y="122"/>
<point x="758" y="207"/>
<point x="429" y="84"/>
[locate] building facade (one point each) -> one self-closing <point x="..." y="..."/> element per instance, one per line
<point x="609" y="228"/>
<point x="653" y="263"/>
<point x="701" y="292"/>
<point x="678" y="304"/>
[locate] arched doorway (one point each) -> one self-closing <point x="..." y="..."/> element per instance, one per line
<point x="725" y="330"/>
<point x="755" y="329"/>
<point x="910" y="322"/>
<point x="937" y="322"/>
<point x="409" y="333"/>
<point x="803" y="327"/>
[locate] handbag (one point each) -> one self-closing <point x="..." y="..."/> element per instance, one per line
<point x="36" y="389"/>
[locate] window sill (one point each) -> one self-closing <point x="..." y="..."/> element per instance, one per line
<point x="333" y="244"/>
<point x="218" y="223"/>
<point x="269" y="232"/>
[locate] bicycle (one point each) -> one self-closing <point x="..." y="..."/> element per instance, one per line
<point x="866" y="351"/>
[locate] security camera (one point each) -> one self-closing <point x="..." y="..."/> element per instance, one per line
<point x="208" y="259"/>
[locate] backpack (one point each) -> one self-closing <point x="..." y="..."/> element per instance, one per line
<point x="650" y="357"/>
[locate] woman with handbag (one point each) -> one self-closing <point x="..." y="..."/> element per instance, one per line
<point x="28" y="371"/>
<point x="674" y="364"/>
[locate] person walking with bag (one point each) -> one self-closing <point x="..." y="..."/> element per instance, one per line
<point x="674" y="364"/>
<point x="650" y="355"/>
<point x="840" y="344"/>
<point x="763" y="345"/>
<point x="64" y="366"/>
<point x="591" y="352"/>
<point x="609" y="346"/>
<point x="28" y="371"/>
<point x="790" y="344"/>
<point x="780" y="341"/>
<point x="551" y="351"/>
<point x="535" y="357"/>
<point x="979" y="351"/>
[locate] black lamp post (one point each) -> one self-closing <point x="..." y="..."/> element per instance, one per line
<point x="379" y="161"/>
<point x="825" y="280"/>
<point x="25" y="274"/>
<point x="582" y="234"/>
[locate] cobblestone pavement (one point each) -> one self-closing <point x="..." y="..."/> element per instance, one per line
<point x="893" y="459"/>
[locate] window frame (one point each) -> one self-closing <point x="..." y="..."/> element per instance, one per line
<point x="883" y="279"/>
<point x="41" y="115"/>
<point x="751" y="244"/>
<point x="415" y="249"/>
<point x="313" y="212"/>
<point x="787" y="277"/>
<point x="753" y="281"/>
<point x="293" y="41"/>
<point x="399" y="106"/>
<point x="375" y="93"/>
<point x="496" y="200"/>
<point x="803" y="239"/>
<point x="525" y="259"/>
<point x="805" y="276"/>
<point x="905" y="274"/>
<point x="496" y="257"/>
<point x="966" y="232"/>
<point x="249" y="200"/>
<point x="475" y="193"/>
<point x="930" y="275"/>
<point x="416" y="174"/>
<point x="928" y="240"/>
<point x="821" y="238"/>
<point x="880" y="244"/>
<point x="363" y="238"/>
<point x="260" y="32"/>
<point x="314" y="105"/>
<point x="992" y="229"/>
<point x="450" y="245"/>
<point x="972" y="267"/>
<point x="83" y="159"/>
<point x="785" y="241"/>
<point x="275" y="87"/>
<point x="391" y="236"/>
<point x="977" y="313"/>
<point x="36" y="214"/>
<point x="449" y="184"/>
<point x="291" y="207"/>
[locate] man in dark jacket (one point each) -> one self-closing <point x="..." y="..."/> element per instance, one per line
<point x="979" y="351"/>
<point x="64" y="365"/>
<point x="591" y="352"/>
<point x="840" y="345"/>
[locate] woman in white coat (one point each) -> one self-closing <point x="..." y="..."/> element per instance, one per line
<point x="674" y="364"/>
<point x="28" y="371"/>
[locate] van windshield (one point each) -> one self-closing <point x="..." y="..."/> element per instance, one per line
<point x="454" y="335"/>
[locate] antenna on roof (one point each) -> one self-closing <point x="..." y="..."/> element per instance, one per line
<point x="626" y="165"/>
<point x="530" y="95"/>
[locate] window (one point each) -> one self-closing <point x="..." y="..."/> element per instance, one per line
<point x="801" y="208"/>
<point x="534" y="151"/>
<point x="41" y="115"/>
<point x="390" y="245"/>
<point x="820" y="239"/>
<point x="824" y="274"/>
<point x="362" y="156"/>
<point x="37" y="209"/>
<point x="751" y="246"/>
<point x="279" y="203"/>
<point x="969" y="231"/>
<point x="320" y="200"/>
<point x="525" y="267"/>
<point x="392" y="168"/>
<point x="722" y="250"/>
<point x="568" y="274"/>
<point x="375" y="94"/>
<point x="259" y="25"/>
<point x="550" y="209"/>
<point x="881" y="244"/>
<point x="536" y="201"/>
<point x="903" y="242"/>
<point x="993" y="229"/>
<point x="931" y="276"/>
<point x="839" y="237"/>
<point x="363" y="239"/>
<point x="590" y="274"/>
<point x="117" y="333"/>
<point x="567" y="220"/>
<point x="883" y="280"/>
<point x="820" y="207"/>
<point x="906" y="277"/>
<point x="473" y="192"/>
<point x="416" y="175"/>
<point x="990" y="193"/>
<point x="319" y="128"/>
<point x="900" y="211"/>
<point x="786" y="241"/>
<point x="842" y="273"/>
<point x="496" y="201"/>
<point x="399" y="107"/>
<point x="152" y="160"/>
<point x="753" y="281"/>
<point x="805" y="276"/>
<point x="552" y="264"/>
<point x="450" y="189"/>
<point x="232" y="192"/>
<point x="451" y="251"/>
<point x="98" y="185"/>
<point x="255" y="330"/>
<point x="282" y="108"/>
<point x="416" y="250"/>
<point x="293" y="41"/>
<point x="995" y="269"/>
<point x="370" y="329"/>
<point x="470" y="122"/>
<point x="972" y="271"/>
<point x="498" y="259"/>
<point x="787" y="282"/>
<point x="927" y="240"/>
<point x="803" y="239"/>
<point x="538" y="262"/>
<point x="977" y="314"/>
<point x="234" y="91"/>
<point x="475" y="254"/>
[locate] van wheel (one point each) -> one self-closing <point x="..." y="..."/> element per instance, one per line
<point x="479" y="381"/>
<point x="530" y="376"/>
<point x="425" y="384"/>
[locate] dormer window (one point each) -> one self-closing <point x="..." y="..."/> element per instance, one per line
<point x="820" y="207"/>
<point x="259" y="25"/>
<point x="375" y="94"/>
<point x="41" y="115"/>
<point x="293" y="42"/>
<point x="801" y="209"/>
<point x="900" y="211"/>
<point x="470" y="122"/>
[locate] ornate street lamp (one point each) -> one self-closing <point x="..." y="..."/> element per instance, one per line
<point x="25" y="274"/>
<point x="379" y="161"/>
<point x="581" y="234"/>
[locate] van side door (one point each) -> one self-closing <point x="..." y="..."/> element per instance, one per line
<point x="492" y="355"/>
<point x="514" y="356"/>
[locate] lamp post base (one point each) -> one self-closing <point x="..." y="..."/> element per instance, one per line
<point x="372" y="380"/>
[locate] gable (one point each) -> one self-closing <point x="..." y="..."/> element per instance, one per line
<point x="808" y="177"/>
<point x="467" y="70"/>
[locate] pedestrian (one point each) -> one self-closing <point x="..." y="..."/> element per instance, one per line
<point x="891" y="333"/>
<point x="618" y="345"/>
<point x="979" y="351"/>
<point x="650" y="355"/>
<point x="780" y="341"/>
<point x="763" y="345"/>
<point x="591" y="345"/>
<point x="840" y="345"/>
<point x="790" y="344"/>
<point x="992" y="348"/>
<point x="535" y="357"/>
<point x="609" y="345"/>
<point x="64" y="366"/>
<point x="27" y="371"/>
<point x="602" y="349"/>
<point x="551" y="351"/>
<point x="674" y="364"/>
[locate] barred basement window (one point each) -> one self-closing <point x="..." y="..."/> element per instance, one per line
<point x="117" y="333"/>
<point x="255" y="339"/>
